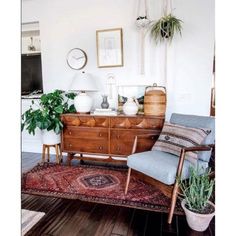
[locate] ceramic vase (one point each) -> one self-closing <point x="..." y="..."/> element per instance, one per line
<point x="130" y="107"/>
<point x="104" y="103"/>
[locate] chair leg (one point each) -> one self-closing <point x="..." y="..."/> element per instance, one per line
<point x="173" y="203"/>
<point x="127" y="181"/>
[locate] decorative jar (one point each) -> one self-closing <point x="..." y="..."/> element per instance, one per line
<point x="130" y="107"/>
<point x="104" y="103"/>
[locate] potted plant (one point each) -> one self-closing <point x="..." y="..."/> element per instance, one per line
<point x="197" y="191"/>
<point x="165" y="28"/>
<point x="46" y="116"/>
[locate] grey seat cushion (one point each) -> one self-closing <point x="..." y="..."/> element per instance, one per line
<point x="195" y="121"/>
<point x="161" y="166"/>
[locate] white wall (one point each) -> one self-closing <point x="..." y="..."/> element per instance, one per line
<point x="66" y="24"/>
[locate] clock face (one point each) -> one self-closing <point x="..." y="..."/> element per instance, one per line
<point x="76" y="58"/>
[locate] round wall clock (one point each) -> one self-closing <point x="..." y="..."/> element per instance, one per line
<point x="76" y="58"/>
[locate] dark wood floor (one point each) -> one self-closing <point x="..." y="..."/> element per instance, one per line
<point x="75" y="218"/>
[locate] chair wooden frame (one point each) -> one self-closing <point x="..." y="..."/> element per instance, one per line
<point x="170" y="191"/>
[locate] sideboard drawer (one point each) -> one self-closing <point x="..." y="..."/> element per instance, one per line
<point x="85" y="133"/>
<point x="136" y="123"/>
<point x="85" y="145"/>
<point x="85" y="121"/>
<point x="122" y="141"/>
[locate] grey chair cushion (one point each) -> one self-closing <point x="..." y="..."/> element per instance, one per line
<point x="161" y="166"/>
<point x="197" y="122"/>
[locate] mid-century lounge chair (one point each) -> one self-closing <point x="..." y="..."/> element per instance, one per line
<point x="161" y="168"/>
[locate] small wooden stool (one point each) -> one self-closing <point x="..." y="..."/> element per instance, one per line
<point x="58" y="152"/>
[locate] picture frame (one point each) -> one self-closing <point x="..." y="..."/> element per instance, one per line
<point x="134" y="91"/>
<point x="109" y="48"/>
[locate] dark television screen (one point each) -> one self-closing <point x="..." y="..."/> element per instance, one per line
<point x="31" y="74"/>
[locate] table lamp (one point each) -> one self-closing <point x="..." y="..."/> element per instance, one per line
<point x="83" y="83"/>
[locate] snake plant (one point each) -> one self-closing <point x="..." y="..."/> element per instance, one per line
<point x="197" y="190"/>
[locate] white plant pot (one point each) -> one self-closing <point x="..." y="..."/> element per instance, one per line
<point x="50" y="137"/>
<point x="196" y="221"/>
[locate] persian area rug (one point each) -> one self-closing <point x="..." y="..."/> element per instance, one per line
<point x="92" y="183"/>
<point x="29" y="219"/>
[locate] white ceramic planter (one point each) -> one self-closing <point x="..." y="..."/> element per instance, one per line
<point x="50" y="137"/>
<point x="196" y="221"/>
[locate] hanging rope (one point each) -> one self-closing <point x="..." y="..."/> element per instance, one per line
<point x="142" y="23"/>
<point x="167" y="9"/>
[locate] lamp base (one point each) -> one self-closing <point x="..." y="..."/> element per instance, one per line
<point x="83" y="103"/>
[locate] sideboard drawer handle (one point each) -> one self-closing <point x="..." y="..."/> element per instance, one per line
<point x="69" y="132"/>
<point x="118" y="136"/>
<point x="100" y="134"/>
<point x="70" y="145"/>
<point x="100" y="148"/>
<point x="118" y="148"/>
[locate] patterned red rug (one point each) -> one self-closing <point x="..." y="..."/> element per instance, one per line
<point x="94" y="184"/>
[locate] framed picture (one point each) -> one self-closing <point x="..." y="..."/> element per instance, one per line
<point x="109" y="47"/>
<point x="134" y="91"/>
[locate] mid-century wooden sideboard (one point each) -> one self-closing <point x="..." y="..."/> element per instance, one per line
<point x="108" y="136"/>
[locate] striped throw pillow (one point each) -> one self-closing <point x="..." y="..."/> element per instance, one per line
<point x="175" y="137"/>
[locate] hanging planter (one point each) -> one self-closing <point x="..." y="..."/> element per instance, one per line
<point x="165" y="28"/>
<point x="142" y="22"/>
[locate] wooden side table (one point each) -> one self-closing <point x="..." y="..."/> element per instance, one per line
<point x="58" y="152"/>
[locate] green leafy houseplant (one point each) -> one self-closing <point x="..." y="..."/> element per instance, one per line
<point x="47" y="115"/>
<point x="165" y="28"/>
<point x="197" y="192"/>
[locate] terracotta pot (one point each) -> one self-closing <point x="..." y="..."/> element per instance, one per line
<point x="196" y="221"/>
<point x="50" y="137"/>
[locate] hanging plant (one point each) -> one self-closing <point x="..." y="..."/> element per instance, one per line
<point x="165" y="28"/>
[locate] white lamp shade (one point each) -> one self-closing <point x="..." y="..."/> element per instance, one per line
<point x="83" y="82"/>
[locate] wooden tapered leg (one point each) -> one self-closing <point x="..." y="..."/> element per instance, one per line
<point x="69" y="158"/>
<point x="60" y="152"/>
<point x="48" y="152"/>
<point x="127" y="181"/>
<point x="173" y="203"/>
<point x="43" y="153"/>
<point x="57" y="154"/>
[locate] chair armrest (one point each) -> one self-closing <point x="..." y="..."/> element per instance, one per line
<point x="198" y="148"/>
<point x="190" y="149"/>
<point x="134" y="149"/>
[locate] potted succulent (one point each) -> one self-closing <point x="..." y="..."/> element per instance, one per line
<point x="197" y="192"/>
<point x="47" y="115"/>
<point x="165" y="28"/>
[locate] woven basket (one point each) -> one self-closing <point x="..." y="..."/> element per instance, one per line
<point x="155" y="100"/>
